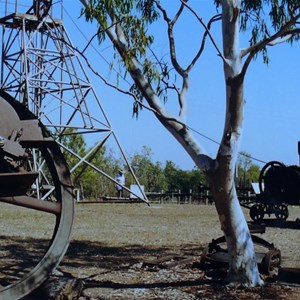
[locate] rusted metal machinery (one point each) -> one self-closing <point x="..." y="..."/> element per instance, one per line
<point x="267" y="256"/>
<point x="279" y="186"/>
<point x="23" y="140"/>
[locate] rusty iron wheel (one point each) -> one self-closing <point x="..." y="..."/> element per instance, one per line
<point x="271" y="260"/>
<point x="27" y="261"/>
<point x="257" y="212"/>
<point x="281" y="212"/>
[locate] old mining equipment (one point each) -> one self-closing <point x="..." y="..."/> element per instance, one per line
<point x="24" y="139"/>
<point x="279" y="187"/>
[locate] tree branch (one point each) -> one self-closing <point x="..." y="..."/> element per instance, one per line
<point x="122" y="91"/>
<point x="177" y="128"/>
<point x="172" y="47"/>
<point x="183" y="73"/>
<point x="288" y="35"/>
<point x="281" y="36"/>
<point x="165" y="82"/>
<point x="207" y="33"/>
<point x="91" y="39"/>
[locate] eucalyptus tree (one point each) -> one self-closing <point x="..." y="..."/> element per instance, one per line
<point x="125" y="24"/>
<point x="149" y="173"/>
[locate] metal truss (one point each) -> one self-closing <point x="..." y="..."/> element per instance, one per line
<point x="41" y="68"/>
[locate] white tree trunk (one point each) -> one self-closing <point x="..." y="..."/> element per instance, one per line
<point x="242" y="262"/>
<point x="243" y="266"/>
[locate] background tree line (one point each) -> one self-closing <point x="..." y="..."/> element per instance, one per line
<point x="153" y="175"/>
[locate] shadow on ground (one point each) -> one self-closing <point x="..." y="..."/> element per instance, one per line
<point x="275" y="223"/>
<point x="93" y="266"/>
<point x="92" y="270"/>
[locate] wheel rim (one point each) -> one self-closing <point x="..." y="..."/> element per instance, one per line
<point x="281" y="212"/>
<point x="257" y="212"/>
<point x="17" y="283"/>
<point x="264" y="171"/>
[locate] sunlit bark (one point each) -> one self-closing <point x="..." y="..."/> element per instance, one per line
<point x="243" y="266"/>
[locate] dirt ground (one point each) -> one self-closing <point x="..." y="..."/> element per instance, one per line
<point x="114" y="250"/>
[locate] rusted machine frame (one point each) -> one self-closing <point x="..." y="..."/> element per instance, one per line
<point x="13" y="152"/>
<point x="268" y="203"/>
<point x="214" y="256"/>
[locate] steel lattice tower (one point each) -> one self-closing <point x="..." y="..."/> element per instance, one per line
<point x="41" y="68"/>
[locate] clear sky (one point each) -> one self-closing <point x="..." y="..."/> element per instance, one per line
<point x="272" y="95"/>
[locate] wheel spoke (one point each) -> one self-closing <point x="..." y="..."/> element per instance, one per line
<point x="282" y="212"/>
<point x="34" y="203"/>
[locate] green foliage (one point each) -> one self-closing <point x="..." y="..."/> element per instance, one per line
<point x="170" y="174"/>
<point x="248" y="172"/>
<point x="253" y="173"/>
<point x="74" y="142"/>
<point x="132" y="16"/>
<point x="86" y="179"/>
<point x="170" y="178"/>
<point x="264" y="17"/>
<point x="95" y="185"/>
<point x="152" y="175"/>
<point x="184" y="181"/>
<point x="149" y="174"/>
<point x="132" y="19"/>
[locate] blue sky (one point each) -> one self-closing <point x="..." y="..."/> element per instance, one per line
<point x="272" y="94"/>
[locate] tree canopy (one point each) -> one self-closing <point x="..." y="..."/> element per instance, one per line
<point x="269" y="22"/>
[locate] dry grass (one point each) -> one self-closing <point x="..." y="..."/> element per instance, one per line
<point x="138" y="224"/>
<point x="110" y="241"/>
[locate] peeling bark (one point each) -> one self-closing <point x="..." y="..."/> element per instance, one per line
<point x="243" y="267"/>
